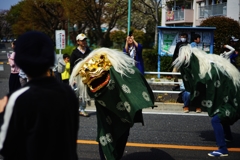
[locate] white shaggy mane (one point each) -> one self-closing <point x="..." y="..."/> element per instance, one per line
<point x="221" y="64"/>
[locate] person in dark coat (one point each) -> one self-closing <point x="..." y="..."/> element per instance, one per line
<point x="80" y="52"/>
<point x="40" y="120"/>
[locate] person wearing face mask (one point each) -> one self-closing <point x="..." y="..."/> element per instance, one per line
<point x="183" y="41"/>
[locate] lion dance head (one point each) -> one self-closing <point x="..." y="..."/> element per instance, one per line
<point x="93" y="71"/>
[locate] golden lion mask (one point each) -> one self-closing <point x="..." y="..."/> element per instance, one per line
<point x="95" y="73"/>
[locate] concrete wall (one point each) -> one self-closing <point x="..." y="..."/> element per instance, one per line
<point x="233" y="9"/>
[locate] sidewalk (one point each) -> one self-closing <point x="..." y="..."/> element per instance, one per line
<point x="171" y="108"/>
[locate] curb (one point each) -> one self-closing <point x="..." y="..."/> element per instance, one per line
<point x="160" y="106"/>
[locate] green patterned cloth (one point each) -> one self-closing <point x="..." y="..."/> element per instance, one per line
<point x="119" y="105"/>
<point x="216" y="95"/>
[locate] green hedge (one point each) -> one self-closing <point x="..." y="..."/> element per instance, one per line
<point x="150" y="58"/>
<point x="225" y="28"/>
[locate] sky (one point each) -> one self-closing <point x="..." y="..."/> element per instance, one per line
<point x="6" y="4"/>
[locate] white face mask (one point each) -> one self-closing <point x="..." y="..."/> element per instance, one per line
<point x="183" y="39"/>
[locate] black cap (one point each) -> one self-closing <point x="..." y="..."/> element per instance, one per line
<point x="34" y="53"/>
<point x="233" y="39"/>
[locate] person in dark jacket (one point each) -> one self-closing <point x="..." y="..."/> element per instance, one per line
<point x="183" y="41"/>
<point x="78" y="54"/>
<point x="40" y="120"/>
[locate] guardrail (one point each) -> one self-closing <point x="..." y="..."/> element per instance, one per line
<point x="164" y="73"/>
<point x="150" y="81"/>
<point x="1" y="66"/>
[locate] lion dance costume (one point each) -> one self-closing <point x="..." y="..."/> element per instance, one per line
<point x="120" y="92"/>
<point x="214" y="85"/>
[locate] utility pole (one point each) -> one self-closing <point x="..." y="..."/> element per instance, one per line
<point x="129" y="15"/>
<point x="68" y="37"/>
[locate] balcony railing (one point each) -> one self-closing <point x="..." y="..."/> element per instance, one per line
<point x="176" y="15"/>
<point x="213" y="10"/>
<point x="185" y="15"/>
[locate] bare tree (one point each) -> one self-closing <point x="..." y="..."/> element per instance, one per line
<point x="150" y="7"/>
<point x="5" y="27"/>
<point x="51" y="15"/>
<point x="103" y="12"/>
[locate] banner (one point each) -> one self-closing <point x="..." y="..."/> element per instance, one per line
<point x="170" y="16"/>
<point x="60" y="38"/>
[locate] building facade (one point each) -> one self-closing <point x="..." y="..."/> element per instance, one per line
<point x="192" y="12"/>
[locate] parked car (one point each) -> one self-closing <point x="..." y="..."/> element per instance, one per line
<point x="4" y="40"/>
<point x="10" y="40"/>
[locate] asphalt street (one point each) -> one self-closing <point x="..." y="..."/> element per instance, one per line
<point x="163" y="137"/>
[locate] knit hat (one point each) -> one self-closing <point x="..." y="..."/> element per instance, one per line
<point x="34" y="53"/>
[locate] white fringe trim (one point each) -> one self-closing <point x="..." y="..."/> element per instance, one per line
<point x="205" y="60"/>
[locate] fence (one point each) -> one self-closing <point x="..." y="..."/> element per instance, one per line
<point x="151" y="82"/>
<point x="1" y="66"/>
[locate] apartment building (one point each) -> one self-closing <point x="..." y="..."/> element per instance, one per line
<point x="192" y="12"/>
